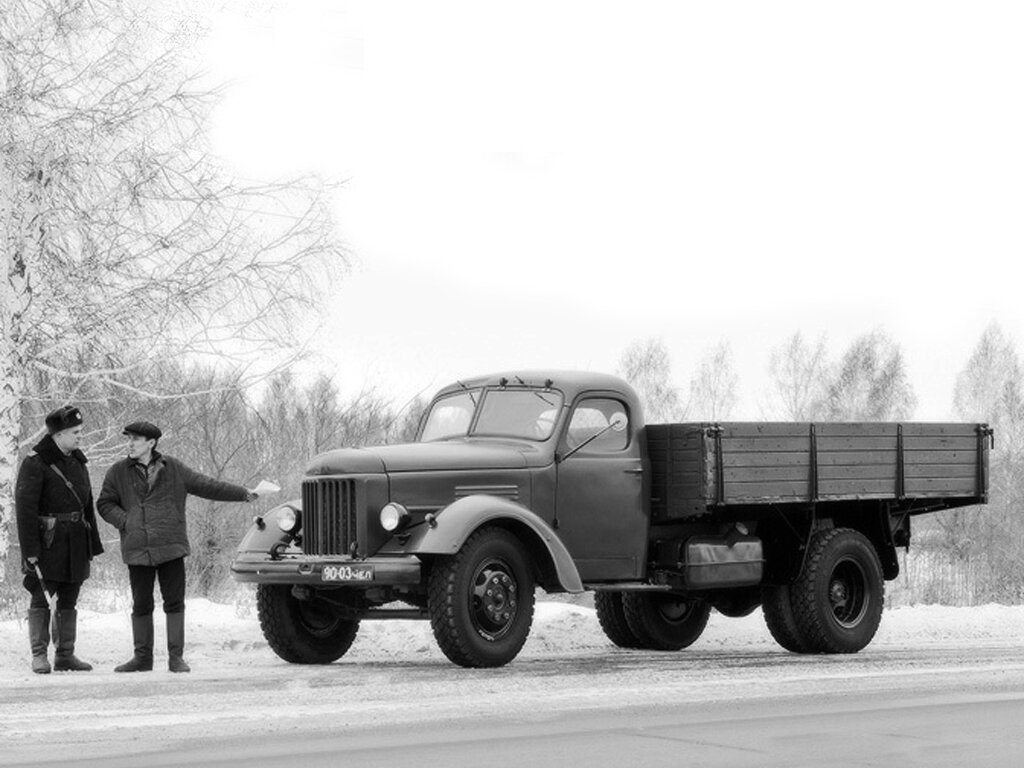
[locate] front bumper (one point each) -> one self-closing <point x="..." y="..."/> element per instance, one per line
<point x="258" y="568"/>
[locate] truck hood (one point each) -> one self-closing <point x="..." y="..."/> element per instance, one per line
<point x="420" y="457"/>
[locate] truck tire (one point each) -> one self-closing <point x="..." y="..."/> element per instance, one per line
<point x="300" y="631"/>
<point x="611" y="615"/>
<point x="481" y="599"/>
<point x="663" y="621"/>
<point x="778" y="615"/>
<point x="838" y="598"/>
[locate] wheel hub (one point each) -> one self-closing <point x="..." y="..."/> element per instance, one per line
<point x="494" y="600"/>
<point x="848" y="593"/>
<point x="838" y="593"/>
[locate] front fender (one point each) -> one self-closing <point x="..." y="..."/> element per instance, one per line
<point x="454" y="524"/>
<point x="264" y="538"/>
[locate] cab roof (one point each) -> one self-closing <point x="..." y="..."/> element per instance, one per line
<point x="569" y="382"/>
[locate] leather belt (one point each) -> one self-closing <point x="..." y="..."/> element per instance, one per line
<point x="65" y="517"/>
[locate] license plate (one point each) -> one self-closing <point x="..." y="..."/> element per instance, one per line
<point x="347" y="573"/>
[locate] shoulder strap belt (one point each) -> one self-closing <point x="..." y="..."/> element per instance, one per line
<point x="68" y="484"/>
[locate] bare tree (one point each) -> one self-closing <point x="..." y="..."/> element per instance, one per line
<point x="798" y="371"/>
<point x="646" y="366"/>
<point x="121" y="240"/>
<point x="407" y="421"/>
<point x="713" y="389"/>
<point x="990" y="389"/>
<point x="870" y="383"/>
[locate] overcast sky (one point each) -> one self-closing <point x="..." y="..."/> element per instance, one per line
<point x="536" y="184"/>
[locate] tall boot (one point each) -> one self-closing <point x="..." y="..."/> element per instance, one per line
<point x="142" y="636"/>
<point x="39" y="639"/>
<point x="64" y="660"/>
<point x="176" y="642"/>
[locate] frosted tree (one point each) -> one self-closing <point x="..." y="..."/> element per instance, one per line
<point x="121" y="240"/>
<point x="990" y="389"/>
<point x="870" y="383"/>
<point x="714" y="388"/>
<point x="798" y="371"/>
<point x="646" y="366"/>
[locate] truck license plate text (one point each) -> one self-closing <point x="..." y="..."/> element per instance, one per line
<point x="347" y="573"/>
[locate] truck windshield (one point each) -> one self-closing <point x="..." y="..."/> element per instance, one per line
<point x="524" y="413"/>
<point x="450" y="416"/>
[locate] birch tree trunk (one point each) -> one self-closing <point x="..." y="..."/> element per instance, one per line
<point x="15" y="298"/>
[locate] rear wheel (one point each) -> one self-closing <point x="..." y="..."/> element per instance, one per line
<point x="612" y="617"/>
<point x="481" y="600"/>
<point x="302" y="631"/>
<point x="838" y="599"/>
<point x="778" y="615"/>
<point x="662" y="621"/>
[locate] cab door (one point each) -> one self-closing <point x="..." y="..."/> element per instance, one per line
<point x="600" y="509"/>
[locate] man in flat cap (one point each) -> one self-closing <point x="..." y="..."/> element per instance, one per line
<point x="143" y="496"/>
<point x="58" y="536"/>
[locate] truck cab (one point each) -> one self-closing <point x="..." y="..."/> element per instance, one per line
<point x="552" y="464"/>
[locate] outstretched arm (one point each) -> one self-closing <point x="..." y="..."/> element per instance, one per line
<point x="207" y="487"/>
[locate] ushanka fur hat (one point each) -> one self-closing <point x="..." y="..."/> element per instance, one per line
<point x="65" y="417"/>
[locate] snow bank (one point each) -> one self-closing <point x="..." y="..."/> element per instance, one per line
<point x="229" y="636"/>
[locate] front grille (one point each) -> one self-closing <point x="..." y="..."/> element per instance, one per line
<point x="328" y="516"/>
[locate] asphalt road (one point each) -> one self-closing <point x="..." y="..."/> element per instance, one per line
<point x="925" y="707"/>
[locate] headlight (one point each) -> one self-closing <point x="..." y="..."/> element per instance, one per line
<point x="394" y="517"/>
<point x="288" y="520"/>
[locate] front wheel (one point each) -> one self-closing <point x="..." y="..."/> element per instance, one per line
<point x="481" y="600"/>
<point x="837" y="600"/>
<point x="662" y="621"/>
<point x="302" y="631"/>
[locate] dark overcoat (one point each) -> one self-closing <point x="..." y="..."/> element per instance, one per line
<point x="150" y="514"/>
<point x="40" y="493"/>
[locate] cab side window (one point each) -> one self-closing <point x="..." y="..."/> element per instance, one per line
<point x="601" y="420"/>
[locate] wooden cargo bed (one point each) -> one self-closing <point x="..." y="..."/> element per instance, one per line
<point x="699" y="466"/>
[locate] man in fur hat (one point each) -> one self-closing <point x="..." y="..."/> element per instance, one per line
<point x="143" y="496"/>
<point x="58" y="536"/>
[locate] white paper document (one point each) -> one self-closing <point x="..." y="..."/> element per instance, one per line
<point x="265" y="487"/>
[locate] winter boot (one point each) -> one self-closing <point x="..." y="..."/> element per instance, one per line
<point x="142" y="636"/>
<point x="64" y="660"/>
<point x="176" y="643"/>
<point x="39" y="639"/>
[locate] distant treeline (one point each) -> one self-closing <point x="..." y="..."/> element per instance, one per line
<point x="216" y="426"/>
<point x="214" y="422"/>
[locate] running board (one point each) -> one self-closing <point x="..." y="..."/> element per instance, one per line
<point x="630" y="586"/>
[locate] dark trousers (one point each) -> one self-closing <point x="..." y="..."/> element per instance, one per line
<point x="66" y="591"/>
<point x="171" y="576"/>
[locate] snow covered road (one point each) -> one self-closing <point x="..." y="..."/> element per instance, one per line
<point x="395" y="676"/>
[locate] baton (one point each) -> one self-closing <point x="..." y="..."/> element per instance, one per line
<point x="50" y="599"/>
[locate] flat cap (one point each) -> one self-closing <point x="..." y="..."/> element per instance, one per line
<point x="144" y="429"/>
<point x="65" y="417"/>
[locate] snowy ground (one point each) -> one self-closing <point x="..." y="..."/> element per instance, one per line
<point x="395" y="673"/>
<point x="221" y="636"/>
<point x="224" y="637"/>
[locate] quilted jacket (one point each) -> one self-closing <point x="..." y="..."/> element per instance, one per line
<point x="150" y="515"/>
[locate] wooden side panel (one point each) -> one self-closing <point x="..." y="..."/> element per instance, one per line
<point x="763" y="462"/>
<point x="942" y="460"/>
<point x="678" y="466"/>
<point x="697" y="466"/>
